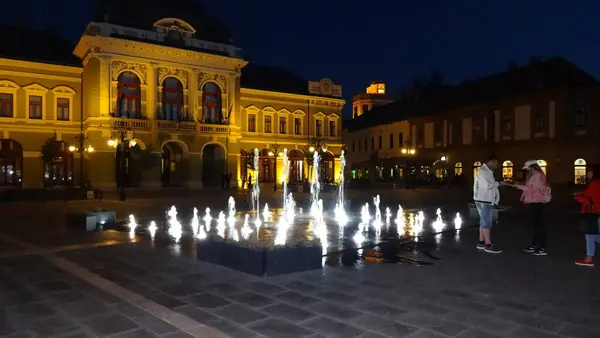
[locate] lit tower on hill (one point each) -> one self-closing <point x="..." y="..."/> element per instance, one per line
<point x="374" y="96"/>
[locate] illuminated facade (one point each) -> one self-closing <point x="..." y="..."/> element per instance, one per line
<point x="516" y="115"/>
<point x="177" y="102"/>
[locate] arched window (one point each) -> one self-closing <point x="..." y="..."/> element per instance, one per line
<point x="507" y="170"/>
<point x="211" y="103"/>
<point x="542" y="165"/>
<point x="266" y="166"/>
<point x="11" y="163"/>
<point x="172" y="99"/>
<point x="128" y="96"/>
<point x="327" y="167"/>
<point x="476" y="167"/>
<point x="580" y="171"/>
<point x="59" y="171"/>
<point x="458" y="169"/>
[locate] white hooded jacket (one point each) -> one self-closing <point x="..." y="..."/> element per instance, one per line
<point x="485" y="187"/>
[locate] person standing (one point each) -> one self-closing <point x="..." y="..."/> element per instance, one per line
<point x="486" y="196"/>
<point x="535" y="194"/>
<point x="590" y="204"/>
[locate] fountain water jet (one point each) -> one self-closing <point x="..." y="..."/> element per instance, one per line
<point x="231" y="212"/>
<point x="340" y="214"/>
<point x="289" y="209"/>
<point x="256" y="190"/>
<point x="152" y="229"/>
<point x="388" y="215"/>
<point x="400" y="221"/>
<point x="221" y="224"/>
<point x="195" y="222"/>
<point x="457" y="221"/>
<point x="207" y="219"/>
<point x="377" y="222"/>
<point x="246" y="229"/>
<point x="132" y="226"/>
<point x="438" y="224"/>
<point x="175" y="228"/>
<point x="266" y="213"/>
<point x="315" y="185"/>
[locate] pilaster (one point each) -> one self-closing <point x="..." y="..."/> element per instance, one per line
<point x="104" y="87"/>
<point x="151" y="91"/>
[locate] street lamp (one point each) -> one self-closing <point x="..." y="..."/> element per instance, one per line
<point x="82" y="149"/>
<point x="119" y="131"/>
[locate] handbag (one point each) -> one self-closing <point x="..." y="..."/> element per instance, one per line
<point x="588" y="223"/>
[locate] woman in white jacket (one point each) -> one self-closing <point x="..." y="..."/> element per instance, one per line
<point x="486" y="195"/>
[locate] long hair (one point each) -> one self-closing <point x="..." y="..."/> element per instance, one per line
<point x="534" y="167"/>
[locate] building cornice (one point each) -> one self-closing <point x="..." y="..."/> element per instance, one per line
<point x="40" y="65"/>
<point x="313" y="98"/>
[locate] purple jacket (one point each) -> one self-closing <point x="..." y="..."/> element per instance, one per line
<point x="534" y="188"/>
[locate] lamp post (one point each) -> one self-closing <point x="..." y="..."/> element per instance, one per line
<point x="82" y="149"/>
<point x="119" y="130"/>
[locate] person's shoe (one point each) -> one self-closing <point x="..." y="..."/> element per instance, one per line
<point x="529" y="249"/>
<point x="491" y="248"/>
<point x="481" y="246"/>
<point x="539" y="252"/>
<point x="583" y="262"/>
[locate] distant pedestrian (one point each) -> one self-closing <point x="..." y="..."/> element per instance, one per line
<point x="590" y="211"/>
<point x="486" y="196"/>
<point x="536" y="193"/>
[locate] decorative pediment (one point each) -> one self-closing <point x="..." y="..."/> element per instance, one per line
<point x="6" y="84"/>
<point x="169" y="24"/>
<point x="269" y="110"/>
<point x="319" y="114"/>
<point x="299" y="112"/>
<point x="181" y="75"/>
<point x="120" y="66"/>
<point x="63" y="90"/>
<point x="252" y="109"/>
<point x="324" y="87"/>
<point x="220" y="80"/>
<point x="283" y="111"/>
<point x="35" y="87"/>
<point x="333" y="116"/>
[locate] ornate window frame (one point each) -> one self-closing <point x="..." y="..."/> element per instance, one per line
<point x="10" y="87"/>
<point x="268" y="111"/>
<point x="252" y="110"/>
<point x="333" y="117"/>
<point x="63" y="92"/>
<point x="285" y="114"/>
<point x="35" y="89"/>
<point x="298" y="114"/>
<point x="319" y="117"/>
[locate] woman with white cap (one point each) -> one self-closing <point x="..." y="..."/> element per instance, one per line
<point x="536" y="192"/>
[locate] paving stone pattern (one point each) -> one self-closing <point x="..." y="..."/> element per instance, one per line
<point x="39" y="300"/>
<point x="465" y="294"/>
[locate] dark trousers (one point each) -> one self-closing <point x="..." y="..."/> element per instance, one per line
<point x="538" y="225"/>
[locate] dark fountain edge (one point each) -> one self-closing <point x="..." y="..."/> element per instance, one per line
<point x="259" y="260"/>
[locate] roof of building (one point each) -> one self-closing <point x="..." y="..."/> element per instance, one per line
<point x="541" y="74"/>
<point x="142" y="14"/>
<point x="29" y="44"/>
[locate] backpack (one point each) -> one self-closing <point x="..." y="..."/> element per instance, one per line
<point x="547" y="194"/>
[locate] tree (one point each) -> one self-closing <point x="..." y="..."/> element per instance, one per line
<point x="50" y="149"/>
<point x="146" y="157"/>
<point x="315" y="144"/>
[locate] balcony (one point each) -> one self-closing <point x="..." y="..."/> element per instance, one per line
<point x="184" y="127"/>
<point x="130" y="124"/>
<point x="213" y="128"/>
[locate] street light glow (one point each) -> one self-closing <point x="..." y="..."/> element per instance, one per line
<point x="72" y="148"/>
<point x="132" y="143"/>
<point x="90" y="149"/>
<point x="404" y="150"/>
<point x="443" y="158"/>
<point x="311" y="149"/>
<point x="111" y="143"/>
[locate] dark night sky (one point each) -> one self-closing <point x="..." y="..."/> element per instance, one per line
<point x="354" y="42"/>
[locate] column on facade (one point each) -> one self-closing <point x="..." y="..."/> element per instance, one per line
<point x="192" y="95"/>
<point x="150" y="110"/>
<point x="233" y="101"/>
<point x="105" y="86"/>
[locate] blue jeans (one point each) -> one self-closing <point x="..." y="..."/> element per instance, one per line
<point x="590" y="244"/>
<point x="485" y="211"/>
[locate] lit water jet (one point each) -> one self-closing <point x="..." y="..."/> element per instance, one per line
<point x="400" y="224"/>
<point x="207" y="219"/>
<point x="195" y="224"/>
<point x="418" y="224"/>
<point x="285" y="173"/>
<point x="231" y="212"/>
<point x="132" y="225"/>
<point x="438" y="224"/>
<point x="388" y="215"/>
<point x="377" y="223"/>
<point x="289" y="209"/>
<point x="282" y="230"/>
<point x="457" y="221"/>
<point x="152" y="229"/>
<point x="221" y="224"/>
<point x="201" y="233"/>
<point x="246" y="229"/>
<point x="365" y="216"/>
<point x="175" y="228"/>
<point x="340" y="214"/>
<point x="266" y="213"/>
<point x="255" y="201"/>
<point x="359" y="238"/>
<point x="315" y="186"/>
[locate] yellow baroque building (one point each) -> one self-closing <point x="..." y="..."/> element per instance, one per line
<point x="158" y="107"/>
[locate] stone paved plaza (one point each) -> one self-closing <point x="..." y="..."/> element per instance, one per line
<point x="444" y="288"/>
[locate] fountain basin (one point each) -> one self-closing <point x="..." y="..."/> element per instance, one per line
<point x="260" y="261"/>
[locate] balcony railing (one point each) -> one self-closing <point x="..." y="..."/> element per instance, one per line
<point x="132" y="124"/>
<point x="189" y="127"/>
<point x="213" y="128"/>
